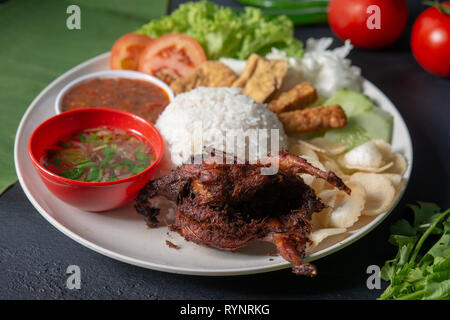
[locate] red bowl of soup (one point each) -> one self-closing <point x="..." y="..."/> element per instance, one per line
<point x="95" y="159"/>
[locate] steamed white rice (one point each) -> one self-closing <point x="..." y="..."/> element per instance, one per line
<point x="206" y="116"/>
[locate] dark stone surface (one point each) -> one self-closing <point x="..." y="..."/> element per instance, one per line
<point x="34" y="255"/>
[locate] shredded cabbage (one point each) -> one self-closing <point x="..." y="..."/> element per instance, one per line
<point x="327" y="70"/>
<point x="223" y="32"/>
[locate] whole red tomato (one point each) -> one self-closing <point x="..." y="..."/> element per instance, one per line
<point x="369" y="24"/>
<point x="430" y="40"/>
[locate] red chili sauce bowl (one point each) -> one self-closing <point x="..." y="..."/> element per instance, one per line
<point x="93" y="196"/>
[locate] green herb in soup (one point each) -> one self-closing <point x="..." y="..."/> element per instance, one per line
<point x="98" y="155"/>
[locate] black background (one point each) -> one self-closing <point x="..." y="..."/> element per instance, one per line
<point x="34" y="255"/>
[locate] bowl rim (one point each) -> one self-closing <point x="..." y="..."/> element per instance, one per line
<point x="95" y="184"/>
<point x="127" y="74"/>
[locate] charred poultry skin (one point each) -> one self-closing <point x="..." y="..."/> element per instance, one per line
<point x="224" y="204"/>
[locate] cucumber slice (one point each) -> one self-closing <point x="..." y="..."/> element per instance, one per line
<point x="374" y="124"/>
<point x="352" y="135"/>
<point x="377" y="123"/>
<point x="365" y="120"/>
<point x="351" y="101"/>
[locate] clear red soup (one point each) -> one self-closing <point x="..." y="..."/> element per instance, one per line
<point x="99" y="155"/>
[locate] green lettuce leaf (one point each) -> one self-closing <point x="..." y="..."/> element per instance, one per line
<point x="223" y="32"/>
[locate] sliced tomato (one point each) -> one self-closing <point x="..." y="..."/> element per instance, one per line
<point x="171" y="56"/>
<point x="126" y="51"/>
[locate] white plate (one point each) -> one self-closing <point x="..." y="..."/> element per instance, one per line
<point x="122" y="234"/>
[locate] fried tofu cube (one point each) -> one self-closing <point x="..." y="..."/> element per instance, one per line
<point x="261" y="77"/>
<point x="208" y="74"/>
<point x="313" y="119"/>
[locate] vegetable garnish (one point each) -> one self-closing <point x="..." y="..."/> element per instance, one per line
<point x="171" y="56"/>
<point x="412" y="273"/>
<point x="365" y="120"/>
<point x="430" y="38"/>
<point x="223" y="32"/>
<point x="99" y="155"/>
<point x="299" y="11"/>
<point x="126" y="51"/>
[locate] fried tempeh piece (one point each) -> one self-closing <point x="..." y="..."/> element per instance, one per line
<point x="208" y="74"/>
<point x="249" y="69"/>
<point x="313" y="119"/>
<point x="298" y="97"/>
<point x="261" y="77"/>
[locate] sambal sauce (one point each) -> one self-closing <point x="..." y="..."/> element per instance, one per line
<point x="140" y="97"/>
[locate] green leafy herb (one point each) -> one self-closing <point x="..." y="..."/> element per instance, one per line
<point x="299" y="11"/>
<point x="100" y="175"/>
<point x="86" y="165"/>
<point x="413" y="273"/>
<point x="138" y="169"/>
<point x="72" y="174"/>
<point x="81" y="136"/>
<point x="130" y="164"/>
<point x="95" y="174"/>
<point x="109" y="154"/>
<point x="108" y="151"/>
<point x="142" y="158"/>
<point x="85" y="160"/>
<point x="56" y="163"/>
<point x="64" y="144"/>
<point x="103" y="146"/>
<point x="440" y="6"/>
<point x="113" y="165"/>
<point x="112" y="177"/>
<point x="92" y="137"/>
